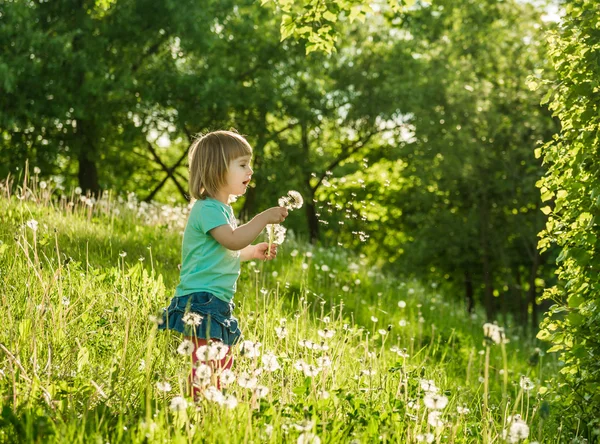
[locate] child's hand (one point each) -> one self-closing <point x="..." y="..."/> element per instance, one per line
<point x="261" y="249"/>
<point x="275" y="215"/>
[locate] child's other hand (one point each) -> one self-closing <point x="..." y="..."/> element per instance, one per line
<point x="260" y="251"/>
<point x="276" y="215"/>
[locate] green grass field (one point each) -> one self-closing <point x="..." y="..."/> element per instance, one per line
<point x="363" y="357"/>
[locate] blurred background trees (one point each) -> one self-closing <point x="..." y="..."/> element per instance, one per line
<point x="411" y="139"/>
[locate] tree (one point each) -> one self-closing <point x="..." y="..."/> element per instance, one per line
<point x="571" y="187"/>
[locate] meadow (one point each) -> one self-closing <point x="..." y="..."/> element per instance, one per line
<point x="333" y="351"/>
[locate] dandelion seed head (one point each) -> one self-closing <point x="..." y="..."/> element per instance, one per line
<point x="435" y="402"/>
<point x="434" y="419"/>
<point x="192" y="319"/>
<point x="178" y="404"/>
<point x="186" y="347"/>
<point x="526" y="383"/>
<point x="163" y="386"/>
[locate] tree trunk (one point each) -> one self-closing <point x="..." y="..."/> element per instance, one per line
<point x="469" y="295"/>
<point x="532" y="293"/>
<point x="488" y="294"/>
<point x="88" y="171"/>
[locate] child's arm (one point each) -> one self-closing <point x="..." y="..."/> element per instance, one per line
<point x="258" y="251"/>
<point x="241" y="237"/>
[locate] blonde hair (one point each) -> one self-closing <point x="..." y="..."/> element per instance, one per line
<point x="209" y="159"/>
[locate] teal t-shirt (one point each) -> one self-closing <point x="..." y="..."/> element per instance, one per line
<point x="206" y="265"/>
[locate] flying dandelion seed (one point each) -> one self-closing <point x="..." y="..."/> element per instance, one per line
<point x="186" y="347"/>
<point x="178" y="404"/>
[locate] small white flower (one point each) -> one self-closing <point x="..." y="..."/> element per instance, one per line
<point x="374" y="319"/>
<point x="178" y="403"/>
<point x="382" y="332"/>
<point x="401" y="304"/>
<point x="36" y="170"/>
<point x="368" y="372"/>
<point x="294" y="253"/>
<point x="186" y="347"/>
<point x="78" y="190"/>
<point x="43" y="185"/>
<point x="123" y="253"/>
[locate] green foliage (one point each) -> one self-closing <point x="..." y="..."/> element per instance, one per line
<point x="572" y="191"/>
<point x="80" y="359"/>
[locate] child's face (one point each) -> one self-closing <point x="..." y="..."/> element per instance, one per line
<point x="238" y="176"/>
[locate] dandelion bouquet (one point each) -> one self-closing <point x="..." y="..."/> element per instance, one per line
<point x="276" y="232"/>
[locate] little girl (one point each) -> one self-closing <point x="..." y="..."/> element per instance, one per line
<point x="213" y="247"/>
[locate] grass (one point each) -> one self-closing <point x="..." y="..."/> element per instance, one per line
<point x="81" y="361"/>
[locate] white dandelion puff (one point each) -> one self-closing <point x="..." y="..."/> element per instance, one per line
<point x="178" y="403"/>
<point x="192" y="319"/>
<point x="435" y="402"/>
<point x="186" y="347"/>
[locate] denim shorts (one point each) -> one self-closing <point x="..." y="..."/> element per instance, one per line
<point x="215" y="320"/>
